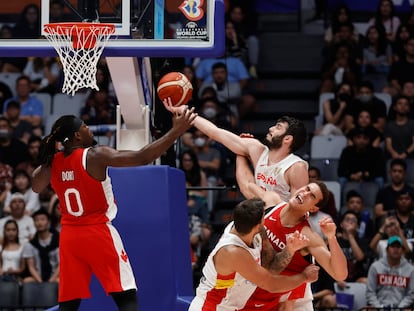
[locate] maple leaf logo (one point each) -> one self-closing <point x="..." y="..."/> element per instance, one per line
<point x="124" y="256"/>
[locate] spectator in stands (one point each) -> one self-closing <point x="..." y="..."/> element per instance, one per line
<point x="399" y="133"/>
<point x="235" y="44"/>
<point x="6" y="180"/>
<point x="56" y="11"/>
<point x="33" y="146"/>
<point x="341" y="65"/>
<point x="404" y="32"/>
<point x="365" y="99"/>
<point x="245" y="26"/>
<point x="341" y="15"/>
<point x="103" y="81"/>
<point x="28" y="26"/>
<point x="407" y="91"/>
<point x="12" y="264"/>
<point x="391" y="279"/>
<point x="198" y="214"/>
<point x="236" y="71"/>
<point x="5" y="93"/>
<point x="12" y="150"/>
<point x="44" y="73"/>
<point x="189" y="72"/>
<point x="10" y="64"/>
<point x="403" y="212"/>
<point x="99" y="109"/>
<point x="330" y="207"/>
<point x="42" y="252"/>
<point x="24" y="221"/>
<point x="364" y="121"/>
<point x="334" y="111"/>
<point x="21" y="129"/>
<point x="402" y="70"/>
<point x="386" y="17"/>
<point x="388" y="228"/>
<point x="209" y="157"/>
<point x="353" y="247"/>
<point x="31" y="107"/>
<point x="228" y="93"/>
<point x="361" y="161"/>
<point x="387" y="196"/>
<point x="355" y="203"/>
<point x="377" y="57"/>
<point x="6" y="32"/>
<point x="194" y="175"/>
<point x="22" y="184"/>
<point x="218" y="113"/>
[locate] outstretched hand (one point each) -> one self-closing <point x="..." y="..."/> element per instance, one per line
<point x="184" y="120"/>
<point x="311" y="273"/>
<point x="173" y="109"/>
<point x="296" y="241"/>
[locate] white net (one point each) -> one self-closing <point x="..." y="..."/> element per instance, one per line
<point x="79" y="47"/>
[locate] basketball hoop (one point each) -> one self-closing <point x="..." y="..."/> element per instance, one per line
<point x="79" y="46"/>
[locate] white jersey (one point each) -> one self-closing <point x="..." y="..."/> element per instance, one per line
<point x="272" y="177"/>
<point x="225" y="292"/>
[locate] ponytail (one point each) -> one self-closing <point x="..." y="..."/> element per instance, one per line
<point x="62" y="131"/>
<point x="47" y="148"/>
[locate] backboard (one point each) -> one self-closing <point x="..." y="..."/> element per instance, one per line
<point x="156" y="28"/>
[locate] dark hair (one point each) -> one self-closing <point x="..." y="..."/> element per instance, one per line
<point x="23" y="77"/>
<point x="335" y="24"/>
<point x="5" y="242"/>
<point x="325" y="193"/>
<point x="41" y="211"/>
<point x="298" y="131"/>
<point x="193" y="176"/>
<point x="400" y="162"/>
<point x="6" y="120"/>
<point x="317" y="170"/>
<point x="382" y="43"/>
<point x="17" y="173"/>
<point x="352" y="213"/>
<point x="378" y="16"/>
<point x="219" y="65"/>
<point x="62" y="131"/>
<point x="367" y="84"/>
<point x="14" y="104"/>
<point x="399" y="194"/>
<point x="247" y="214"/>
<point x="33" y="139"/>
<point x="352" y="194"/>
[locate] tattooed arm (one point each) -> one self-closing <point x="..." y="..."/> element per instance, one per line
<point x="277" y="262"/>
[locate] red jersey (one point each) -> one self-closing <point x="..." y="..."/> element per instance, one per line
<point x="83" y="199"/>
<point x="277" y="234"/>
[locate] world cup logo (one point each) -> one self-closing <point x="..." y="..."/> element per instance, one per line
<point x="192" y="9"/>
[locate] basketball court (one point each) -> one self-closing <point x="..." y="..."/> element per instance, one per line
<point x="152" y="214"/>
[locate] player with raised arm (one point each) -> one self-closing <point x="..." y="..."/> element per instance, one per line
<point x="79" y="176"/>
<point x="276" y="167"/>
<point x="281" y="219"/>
<point x="239" y="263"/>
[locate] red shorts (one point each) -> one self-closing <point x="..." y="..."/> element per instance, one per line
<point x="96" y="249"/>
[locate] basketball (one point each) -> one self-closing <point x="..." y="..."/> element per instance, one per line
<point x="176" y="86"/>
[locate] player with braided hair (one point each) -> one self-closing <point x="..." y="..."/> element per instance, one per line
<point x="89" y="243"/>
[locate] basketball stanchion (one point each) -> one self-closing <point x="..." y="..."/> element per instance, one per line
<point x="79" y="46"/>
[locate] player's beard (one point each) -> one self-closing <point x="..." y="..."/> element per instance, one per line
<point x="275" y="142"/>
